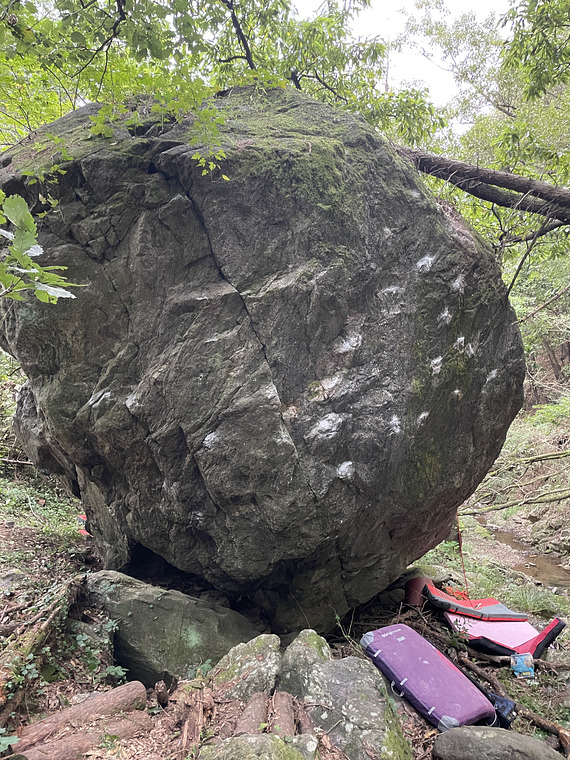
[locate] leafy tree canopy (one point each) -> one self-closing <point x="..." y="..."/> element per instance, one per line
<point x="67" y="52"/>
<point x="540" y="45"/>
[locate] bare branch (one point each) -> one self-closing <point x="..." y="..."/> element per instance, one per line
<point x="543" y="230"/>
<point x="546" y="303"/>
<point x="240" y="33"/>
<point x="529" y="246"/>
<point x="321" y="81"/>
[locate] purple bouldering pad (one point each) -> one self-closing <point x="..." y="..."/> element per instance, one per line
<point x="427" y="678"/>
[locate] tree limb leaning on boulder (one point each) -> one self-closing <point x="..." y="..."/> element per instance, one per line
<point x="502" y="188"/>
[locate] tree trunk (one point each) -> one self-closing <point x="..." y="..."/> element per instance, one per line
<point x="517" y="192"/>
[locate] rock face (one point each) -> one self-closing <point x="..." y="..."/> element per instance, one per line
<point x="284" y="383"/>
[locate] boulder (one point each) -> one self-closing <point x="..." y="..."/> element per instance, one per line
<point x="164" y="634"/>
<point x="257" y="747"/>
<point x="345" y="698"/>
<point x="469" y="742"/>
<point x="284" y="383"/>
<point x="249" y="668"/>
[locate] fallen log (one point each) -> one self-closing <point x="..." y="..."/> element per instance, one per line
<point x="73" y="746"/>
<point x="31" y="640"/>
<point x="253" y="719"/>
<point x="193" y="707"/>
<point x="283" y="718"/>
<point x="125" y="698"/>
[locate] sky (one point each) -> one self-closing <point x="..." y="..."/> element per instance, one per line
<point x="387" y="19"/>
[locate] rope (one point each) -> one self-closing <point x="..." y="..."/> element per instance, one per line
<point x="462" y="557"/>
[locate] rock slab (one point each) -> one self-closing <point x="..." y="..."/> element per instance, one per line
<point x="470" y="742"/>
<point x="164" y="634"/>
<point x="284" y="383"/>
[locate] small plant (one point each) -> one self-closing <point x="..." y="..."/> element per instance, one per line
<point x="109" y="741"/>
<point x="533" y="599"/>
<point x="115" y="672"/>
<point x="6" y="742"/>
<point x="200" y="671"/>
<point x="23" y="671"/>
<point x="552" y="414"/>
<point x="19" y="270"/>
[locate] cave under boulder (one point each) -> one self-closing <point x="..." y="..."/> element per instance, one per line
<point x="283" y="383"/>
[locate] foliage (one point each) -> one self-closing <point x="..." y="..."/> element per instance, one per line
<point x="506" y="131"/>
<point x="38" y="503"/>
<point x="112" y="51"/>
<point x="534" y="600"/>
<point x="6" y="742"/>
<point x="19" y="269"/>
<point x="554" y="414"/>
<point x="8" y="383"/>
<point x="540" y="45"/>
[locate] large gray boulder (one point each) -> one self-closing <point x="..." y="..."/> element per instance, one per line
<point x="284" y="383"/>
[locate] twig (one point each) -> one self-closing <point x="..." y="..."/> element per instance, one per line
<point x="491" y="679"/>
<point x="545" y="304"/>
<point x="529" y="247"/>
<point x="529" y="460"/>
<point x="545" y="498"/>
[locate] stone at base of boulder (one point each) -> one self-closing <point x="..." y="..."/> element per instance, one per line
<point x="162" y="634"/>
<point x="249" y="668"/>
<point x="474" y="742"/>
<point x="260" y="747"/>
<point x="345" y="698"/>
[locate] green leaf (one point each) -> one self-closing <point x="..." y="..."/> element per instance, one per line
<point x="23" y="241"/>
<point x="53" y="291"/>
<point x="78" y="38"/>
<point x="17" y="211"/>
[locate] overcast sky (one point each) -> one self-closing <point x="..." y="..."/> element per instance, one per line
<point x="384" y="18"/>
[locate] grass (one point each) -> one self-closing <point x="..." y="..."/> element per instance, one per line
<point x="38" y="503"/>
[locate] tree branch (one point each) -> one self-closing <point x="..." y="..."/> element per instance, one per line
<point x="105" y="44"/>
<point x="529" y="194"/>
<point x="529" y="246"/>
<point x="326" y="86"/>
<point x="240" y="34"/>
<point x="544" y="230"/>
<point x="546" y="303"/>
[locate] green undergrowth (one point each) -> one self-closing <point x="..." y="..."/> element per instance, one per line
<point x="529" y="481"/>
<point x="487" y="577"/>
<point x="39" y="503"/>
